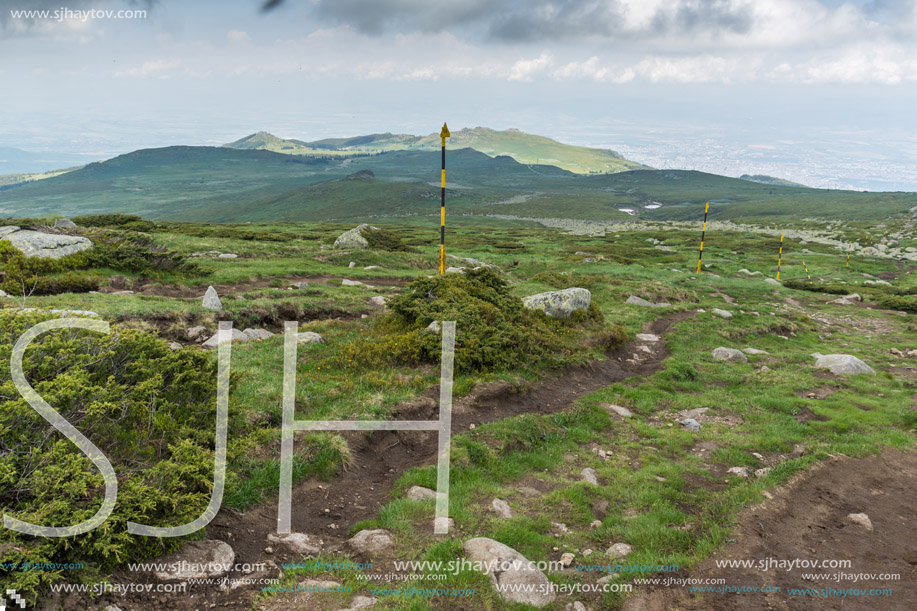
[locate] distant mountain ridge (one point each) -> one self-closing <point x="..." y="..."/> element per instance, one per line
<point x="221" y="184"/>
<point x="525" y="148"/>
<point x="764" y="179"/>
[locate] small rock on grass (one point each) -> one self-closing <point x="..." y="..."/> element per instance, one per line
<point x="566" y="559"/>
<point x="211" y="300"/>
<point x="309" y="337"/>
<point x="589" y="476"/>
<point x="419" y="493"/>
<point x="618" y="550"/>
<point x="860" y="518"/>
<point x="730" y="355"/>
<point x="502" y="508"/>
<point x="371" y="541"/>
<point x="691" y="424"/>
<point x="621" y="411"/>
<point x="721" y="313"/>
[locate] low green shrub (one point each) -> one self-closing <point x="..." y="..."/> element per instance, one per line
<point x="493" y="330"/>
<point x="384" y="239"/>
<point x="149" y="409"/>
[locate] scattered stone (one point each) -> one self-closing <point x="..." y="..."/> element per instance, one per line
<point x="619" y="550"/>
<point x="43" y="245"/>
<point x="665" y="248"/>
<point x="634" y="300"/>
<point x="309" y="337"/>
<point x="841" y="301"/>
<point x="740" y="471"/>
<point x="721" y="313"/>
<point x="174" y="346"/>
<point x="762" y="472"/>
<point x="514" y="577"/>
<point x="690" y="424"/>
<point x="353" y="239"/>
<point x="378" y="300"/>
<point x="590" y="260"/>
<point x="860" y="518"/>
<point x="754" y="351"/>
<point x="258" y="334"/>
<point x="843" y="364"/>
<point x="455" y="270"/>
<point x="730" y="355"/>
<point x="299" y="285"/>
<point x="196" y="332"/>
<point x="352" y="265"/>
<point x="621" y="411"/>
<point x="211" y="300"/>
<point x="65" y="223"/>
<point x="372" y="267"/>
<point x="227" y="255"/>
<point x="419" y="493"/>
<point x="502" y="508"/>
<point x="590" y="476"/>
<point x="371" y="541"/>
<point x="587" y="553"/>
<point x="607" y="578"/>
<point x="123" y="293"/>
<point x="297" y="543"/>
<point x="346" y="282"/>
<point x="647" y="337"/>
<point x="433" y="327"/>
<point x="196" y="560"/>
<point x="595" y="524"/>
<point x="854" y="297"/>
<point x="566" y="559"/>
<point x="3" y="294"/>
<point x="235" y="335"/>
<point x="749" y="273"/>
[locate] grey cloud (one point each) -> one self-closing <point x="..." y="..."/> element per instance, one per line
<point x="533" y="21"/>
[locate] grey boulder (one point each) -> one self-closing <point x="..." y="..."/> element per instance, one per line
<point x="43" y="245"/>
<point x="843" y="364"/>
<point x="514" y="577"/>
<point x="354" y="239"/>
<point x="730" y="355"/>
<point x="559" y="304"/>
<point x="211" y="300"/>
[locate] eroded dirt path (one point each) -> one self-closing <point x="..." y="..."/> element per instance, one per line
<point x="329" y="509"/>
<point x="807" y="519"/>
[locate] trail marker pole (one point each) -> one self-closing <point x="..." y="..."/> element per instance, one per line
<point x="700" y="253"/>
<point x="779" y="256"/>
<point x="442" y="206"/>
<point x="848" y="261"/>
<point x="806" y="267"/>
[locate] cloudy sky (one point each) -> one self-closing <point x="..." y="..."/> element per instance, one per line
<point x="825" y="88"/>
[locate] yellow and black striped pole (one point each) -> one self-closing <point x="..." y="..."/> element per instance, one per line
<point x="848" y="261"/>
<point x="700" y="253"/>
<point x="779" y="256"/>
<point x="806" y="267"/>
<point x="442" y="206"/>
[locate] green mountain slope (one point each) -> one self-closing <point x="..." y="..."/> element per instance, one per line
<point x="224" y="185"/>
<point x="524" y="148"/>
<point x="764" y="179"/>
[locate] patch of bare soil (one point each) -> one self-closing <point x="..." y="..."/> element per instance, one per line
<point x="329" y="509"/>
<point x="807" y="519"/>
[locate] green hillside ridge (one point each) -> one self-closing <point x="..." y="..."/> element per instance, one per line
<point x="524" y="148"/>
<point x="764" y="179"/>
<point x="220" y="184"/>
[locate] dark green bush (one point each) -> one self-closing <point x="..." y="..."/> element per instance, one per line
<point x="383" y="239"/>
<point x="897" y="302"/>
<point x="815" y="286"/>
<point x="493" y="330"/>
<point x="150" y="409"/>
<point x="120" y="221"/>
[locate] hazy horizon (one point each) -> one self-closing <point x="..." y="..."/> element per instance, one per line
<point x="816" y="92"/>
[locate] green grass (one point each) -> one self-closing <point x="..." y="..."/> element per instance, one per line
<point x="672" y="503"/>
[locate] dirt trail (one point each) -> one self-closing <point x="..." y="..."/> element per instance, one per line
<point x="380" y="458"/>
<point x="807" y="519"/>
